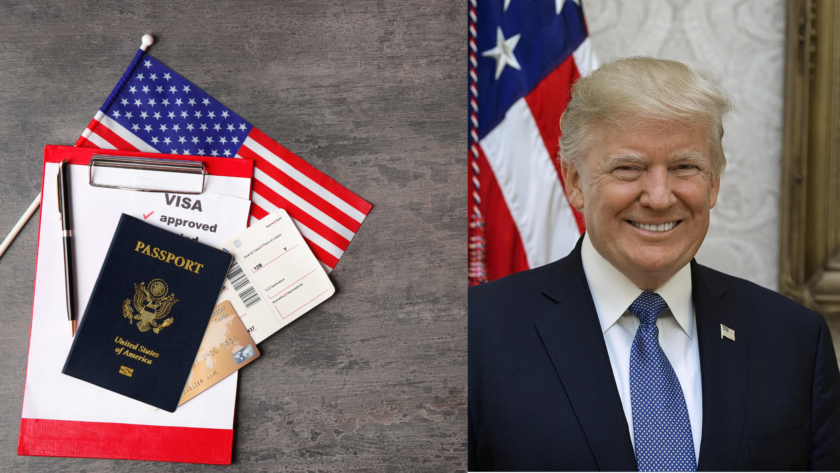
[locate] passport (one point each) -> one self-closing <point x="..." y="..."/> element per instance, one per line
<point x="147" y="313"/>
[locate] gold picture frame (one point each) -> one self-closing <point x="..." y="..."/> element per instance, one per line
<point x="809" y="265"/>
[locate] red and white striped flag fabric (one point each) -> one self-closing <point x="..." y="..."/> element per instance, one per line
<point x="523" y="58"/>
<point x="155" y="110"/>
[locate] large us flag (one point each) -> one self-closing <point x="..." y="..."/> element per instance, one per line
<point x="153" y="109"/>
<point x="524" y="56"/>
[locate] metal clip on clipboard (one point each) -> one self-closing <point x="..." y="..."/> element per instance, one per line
<point x="191" y="168"/>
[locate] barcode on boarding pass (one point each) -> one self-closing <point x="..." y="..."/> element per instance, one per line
<point x="242" y="285"/>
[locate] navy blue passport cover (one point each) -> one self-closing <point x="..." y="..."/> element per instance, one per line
<point x="147" y="314"/>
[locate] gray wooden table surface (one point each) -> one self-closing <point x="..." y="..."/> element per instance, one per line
<point x="373" y="93"/>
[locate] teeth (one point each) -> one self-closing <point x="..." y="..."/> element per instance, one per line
<point x="664" y="227"/>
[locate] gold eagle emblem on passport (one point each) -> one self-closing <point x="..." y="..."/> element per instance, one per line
<point x="152" y="304"/>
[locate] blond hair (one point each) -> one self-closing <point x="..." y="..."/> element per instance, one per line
<point x="632" y="92"/>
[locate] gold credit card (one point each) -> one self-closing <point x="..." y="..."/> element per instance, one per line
<point x="226" y="347"/>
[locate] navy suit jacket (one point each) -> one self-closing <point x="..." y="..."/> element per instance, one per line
<point x="542" y="395"/>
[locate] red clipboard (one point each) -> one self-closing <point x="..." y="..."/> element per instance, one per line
<point x="131" y="441"/>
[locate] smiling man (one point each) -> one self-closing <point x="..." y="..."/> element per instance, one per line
<point x="628" y="354"/>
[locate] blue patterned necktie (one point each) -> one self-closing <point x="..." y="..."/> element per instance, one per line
<point x="661" y="428"/>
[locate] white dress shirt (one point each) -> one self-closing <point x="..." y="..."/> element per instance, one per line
<point x="613" y="293"/>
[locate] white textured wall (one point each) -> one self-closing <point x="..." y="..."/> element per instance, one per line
<point x="742" y="43"/>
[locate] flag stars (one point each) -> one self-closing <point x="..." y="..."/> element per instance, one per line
<point x="165" y="102"/>
<point x="234" y="140"/>
<point x="175" y="127"/>
<point x="167" y="76"/>
<point x="139" y="76"/>
<point x="173" y="89"/>
<point x="152" y="102"/>
<point x="144" y="115"/>
<point x="205" y="101"/>
<point x="166" y="141"/>
<point x="116" y="114"/>
<point x="153" y="77"/>
<point x="174" y="151"/>
<point x="157" y="115"/>
<point x="178" y="102"/>
<point x="230" y="127"/>
<point x="242" y="127"/>
<point x="217" y="127"/>
<point x="135" y="127"/>
<point x="132" y="89"/>
<point x="503" y="52"/>
<point x="184" y="114"/>
<point x="171" y="115"/>
<point x="138" y="102"/>
<point x="148" y="128"/>
<point x="214" y="153"/>
<point x="155" y="140"/>
<point x="209" y="139"/>
<point x="181" y="139"/>
<point x="194" y="139"/>
<point x="163" y="127"/>
<point x="190" y="127"/>
<point x="191" y="101"/>
<point x="203" y="127"/>
<point x="211" y="114"/>
<point x="186" y="88"/>
<point x="201" y="152"/>
<point x="198" y="114"/>
<point x="159" y="89"/>
<point x="146" y="89"/>
<point x="128" y="115"/>
<point x="223" y="140"/>
<point x="225" y="114"/>
<point x="227" y="153"/>
<point x="148" y="64"/>
<point x="558" y="5"/>
<point x="124" y="101"/>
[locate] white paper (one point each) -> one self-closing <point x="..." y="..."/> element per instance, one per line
<point x="207" y="218"/>
<point x="49" y="394"/>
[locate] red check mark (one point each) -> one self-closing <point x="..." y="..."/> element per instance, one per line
<point x="147" y="216"/>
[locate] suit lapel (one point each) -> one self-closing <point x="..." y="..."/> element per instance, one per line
<point x="574" y="342"/>
<point x="723" y="368"/>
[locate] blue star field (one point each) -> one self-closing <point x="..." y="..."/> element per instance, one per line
<point x="174" y="116"/>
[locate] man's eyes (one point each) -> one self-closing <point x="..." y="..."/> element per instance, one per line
<point x="635" y="169"/>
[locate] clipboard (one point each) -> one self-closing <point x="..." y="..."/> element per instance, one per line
<point x="63" y="416"/>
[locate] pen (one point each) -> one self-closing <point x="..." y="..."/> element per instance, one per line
<point x="67" y="237"/>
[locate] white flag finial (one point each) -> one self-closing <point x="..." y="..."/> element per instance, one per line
<point x="147" y="40"/>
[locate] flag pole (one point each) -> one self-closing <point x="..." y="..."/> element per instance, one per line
<point x="19" y="226"/>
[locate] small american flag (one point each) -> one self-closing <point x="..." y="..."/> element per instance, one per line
<point x="155" y="110"/>
<point x="727" y="332"/>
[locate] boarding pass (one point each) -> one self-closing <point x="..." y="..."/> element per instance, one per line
<point x="274" y="278"/>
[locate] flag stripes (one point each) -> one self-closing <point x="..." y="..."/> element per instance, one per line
<point x="531" y="187"/>
<point x="313" y="179"/>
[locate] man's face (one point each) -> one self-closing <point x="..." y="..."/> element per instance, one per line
<point x="646" y="195"/>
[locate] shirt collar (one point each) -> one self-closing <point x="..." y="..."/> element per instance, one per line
<point x="613" y="292"/>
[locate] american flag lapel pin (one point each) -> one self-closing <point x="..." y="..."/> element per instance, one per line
<point x="727" y="332"/>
